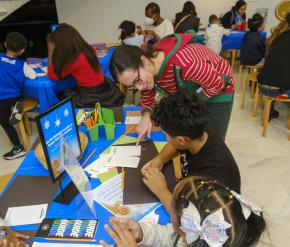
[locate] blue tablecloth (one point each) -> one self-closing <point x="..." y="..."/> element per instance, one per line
<point x="45" y="90"/>
<point x="78" y="208"/>
<point x="233" y="40"/>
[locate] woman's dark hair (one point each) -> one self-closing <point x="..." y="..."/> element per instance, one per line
<point x="255" y="22"/>
<point x="238" y="5"/>
<point x="15" y="41"/>
<point x="181" y="114"/>
<point x="68" y="45"/>
<point x="153" y="7"/>
<point x="127" y="29"/>
<point x="189" y="8"/>
<point x="208" y="196"/>
<point x="128" y="57"/>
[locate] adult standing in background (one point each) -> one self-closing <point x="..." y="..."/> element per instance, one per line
<point x="186" y="19"/>
<point x="236" y="17"/>
<point x="156" y="25"/>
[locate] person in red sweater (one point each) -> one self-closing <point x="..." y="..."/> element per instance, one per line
<point x="175" y="62"/>
<point x="70" y="55"/>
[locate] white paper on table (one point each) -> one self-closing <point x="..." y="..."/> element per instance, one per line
<point x="98" y="166"/>
<point x="133" y="120"/>
<point x="150" y="218"/>
<point x="123" y="161"/>
<point x="40" y="74"/>
<point x="44" y="69"/>
<point x="26" y="215"/>
<point x="125" y="151"/>
<point x="36" y="65"/>
<point x="110" y="196"/>
<point x="37" y="244"/>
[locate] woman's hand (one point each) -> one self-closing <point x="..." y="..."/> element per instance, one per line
<point x="144" y="127"/>
<point x="121" y="235"/>
<point x="156" y="162"/>
<point x="13" y="239"/>
<point x="155" y="181"/>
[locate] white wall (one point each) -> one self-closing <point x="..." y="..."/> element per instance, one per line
<point x="97" y="20"/>
<point x="8" y="7"/>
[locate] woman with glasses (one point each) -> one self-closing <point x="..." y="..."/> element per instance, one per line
<point x="173" y="63"/>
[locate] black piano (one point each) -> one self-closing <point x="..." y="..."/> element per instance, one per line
<point x="33" y="20"/>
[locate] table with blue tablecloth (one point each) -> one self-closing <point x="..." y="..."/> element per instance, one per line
<point x="233" y="40"/>
<point x="45" y="90"/>
<point x="78" y="208"/>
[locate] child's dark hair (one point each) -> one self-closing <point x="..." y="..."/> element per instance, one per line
<point x="68" y="45"/>
<point x="255" y="22"/>
<point x="238" y="5"/>
<point x="128" y="57"/>
<point x="212" y="19"/>
<point x="208" y="196"/>
<point x="189" y="8"/>
<point x="15" y="42"/>
<point x="181" y="114"/>
<point x="127" y="29"/>
<point x="153" y="7"/>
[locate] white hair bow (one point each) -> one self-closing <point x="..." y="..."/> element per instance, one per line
<point x="212" y="230"/>
<point x="248" y="206"/>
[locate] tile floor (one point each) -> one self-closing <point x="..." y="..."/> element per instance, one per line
<point x="264" y="164"/>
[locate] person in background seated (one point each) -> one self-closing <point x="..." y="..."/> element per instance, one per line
<point x="253" y="46"/>
<point x="70" y="55"/>
<point x="129" y="35"/>
<point x="182" y="117"/>
<point x="187" y="19"/>
<point x="13" y="72"/>
<point x="236" y="17"/>
<point x="274" y="78"/>
<point x="214" y="34"/>
<point x="156" y="26"/>
<point x="204" y="213"/>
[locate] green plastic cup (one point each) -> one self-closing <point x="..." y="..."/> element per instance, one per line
<point x="109" y="123"/>
<point x="94" y="133"/>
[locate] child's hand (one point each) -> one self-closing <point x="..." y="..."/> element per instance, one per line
<point x="121" y="235"/>
<point x="13" y="239"/>
<point x="155" y="181"/>
<point x="131" y="225"/>
<point x="156" y="162"/>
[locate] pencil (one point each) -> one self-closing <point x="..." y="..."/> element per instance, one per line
<point x="123" y="177"/>
<point x="87" y="159"/>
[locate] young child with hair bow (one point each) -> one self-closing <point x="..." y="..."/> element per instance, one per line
<point x="204" y="213"/>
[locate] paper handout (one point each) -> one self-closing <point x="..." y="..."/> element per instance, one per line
<point x="26" y="215"/>
<point x="110" y="196"/>
<point x="133" y="119"/>
<point x="127" y="151"/>
<point x="37" y="244"/>
<point x="123" y="161"/>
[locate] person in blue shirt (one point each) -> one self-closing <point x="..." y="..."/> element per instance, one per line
<point x="13" y="72"/>
<point x="253" y="46"/>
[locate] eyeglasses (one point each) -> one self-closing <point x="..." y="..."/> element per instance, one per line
<point x="136" y="81"/>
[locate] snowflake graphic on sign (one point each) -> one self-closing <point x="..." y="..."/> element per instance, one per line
<point x="66" y="113"/>
<point x="46" y="125"/>
<point x="57" y="123"/>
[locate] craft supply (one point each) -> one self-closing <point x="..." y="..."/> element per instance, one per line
<point x="123" y="178"/>
<point x="108" y="175"/>
<point x="87" y="159"/>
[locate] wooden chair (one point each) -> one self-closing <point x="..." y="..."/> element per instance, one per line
<point x="231" y="55"/>
<point x="252" y="76"/>
<point x="266" y="114"/>
<point x="24" y="125"/>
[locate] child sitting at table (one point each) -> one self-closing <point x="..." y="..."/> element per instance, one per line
<point x="253" y="47"/>
<point x="13" y="72"/>
<point x="70" y="55"/>
<point x="129" y="35"/>
<point x="214" y="34"/>
<point x="204" y="213"/>
<point x="182" y="117"/>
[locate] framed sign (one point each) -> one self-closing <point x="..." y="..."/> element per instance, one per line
<point x="56" y="123"/>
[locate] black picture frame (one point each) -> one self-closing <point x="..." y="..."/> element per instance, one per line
<point x="42" y="138"/>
